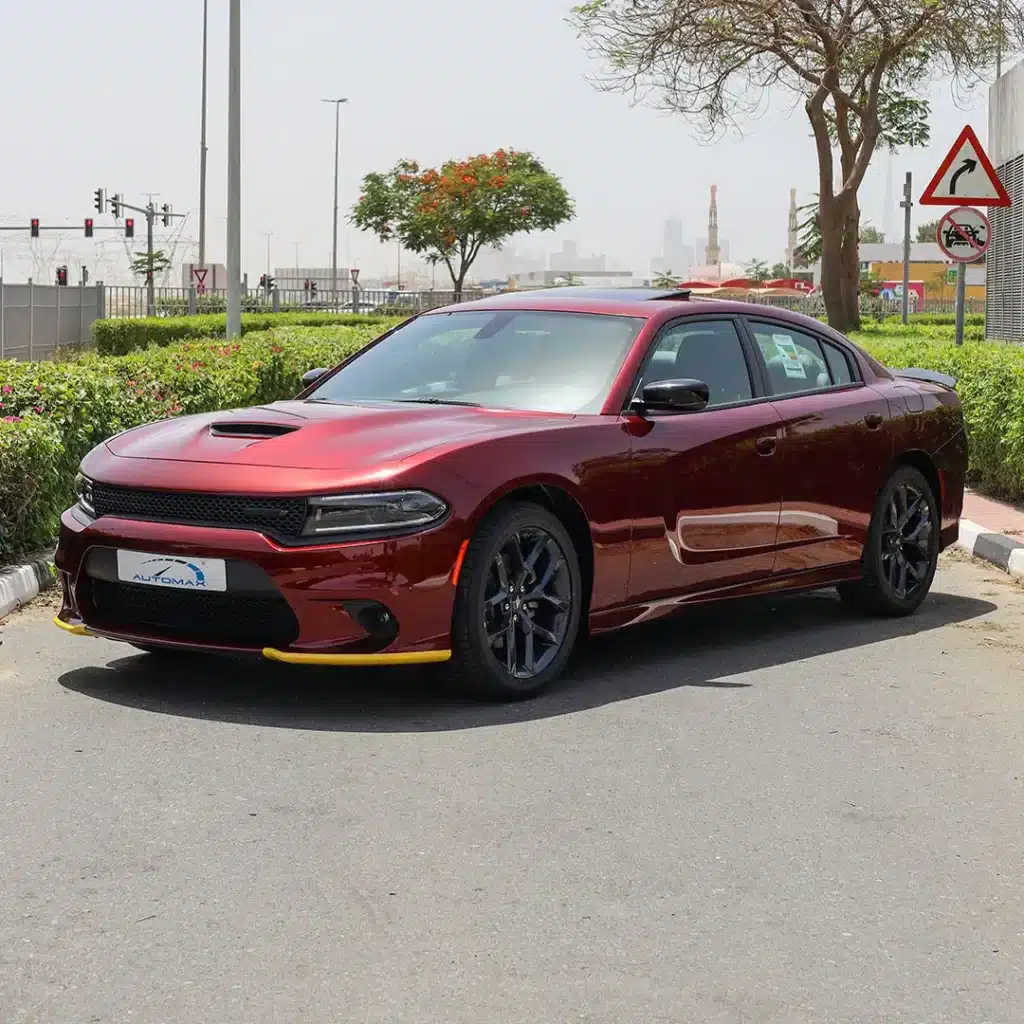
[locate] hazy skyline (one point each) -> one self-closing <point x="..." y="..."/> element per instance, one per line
<point x="108" y="96"/>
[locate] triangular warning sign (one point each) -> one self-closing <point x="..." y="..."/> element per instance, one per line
<point x="965" y="177"/>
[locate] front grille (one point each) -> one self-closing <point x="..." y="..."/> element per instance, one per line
<point x="187" y="615"/>
<point x="280" y="517"/>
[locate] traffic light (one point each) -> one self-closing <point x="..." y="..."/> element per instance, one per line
<point x="129" y="227"/>
<point x="62" y="277"/>
<point x="270" y="282"/>
<point x="263" y="280"/>
<point x="115" y="205"/>
<point x="167" y="214"/>
<point x="99" y="199"/>
<point x="33" y="227"/>
<point x="88" y="227"/>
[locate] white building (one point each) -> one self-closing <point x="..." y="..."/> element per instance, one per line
<point x="1004" y="291"/>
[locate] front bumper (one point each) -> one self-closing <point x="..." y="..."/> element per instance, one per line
<point x="318" y="605"/>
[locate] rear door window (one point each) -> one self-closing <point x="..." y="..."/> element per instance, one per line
<point x="798" y="362"/>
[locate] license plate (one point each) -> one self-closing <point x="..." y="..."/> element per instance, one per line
<point x="178" y="573"/>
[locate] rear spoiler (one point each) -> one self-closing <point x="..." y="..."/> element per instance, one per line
<point x="928" y="376"/>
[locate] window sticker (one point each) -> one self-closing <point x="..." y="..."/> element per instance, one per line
<point x="790" y="357"/>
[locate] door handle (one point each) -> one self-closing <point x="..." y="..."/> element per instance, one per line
<point x="766" y="445"/>
<point x="873" y="420"/>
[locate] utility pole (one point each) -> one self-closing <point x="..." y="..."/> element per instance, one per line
<point x="234" y="240"/>
<point x="202" y="153"/>
<point x="150" y="285"/>
<point x="906" y="204"/>
<point x="334" y="245"/>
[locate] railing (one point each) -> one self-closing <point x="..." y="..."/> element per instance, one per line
<point x="131" y="301"/>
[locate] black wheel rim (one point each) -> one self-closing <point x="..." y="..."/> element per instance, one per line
<point x="907" y="541"/>
<point x="527" y="602"/>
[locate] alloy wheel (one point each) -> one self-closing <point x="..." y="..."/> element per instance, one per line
<point x="907" y="537"/>
<point x="527" y="602"/>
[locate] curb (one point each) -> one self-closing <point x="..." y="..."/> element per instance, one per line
<point x="19" y="584"/>
<point x="1007" y="553"/>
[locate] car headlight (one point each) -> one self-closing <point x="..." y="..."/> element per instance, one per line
<point x="83" y="491"/>
<point x="365" y="513"/>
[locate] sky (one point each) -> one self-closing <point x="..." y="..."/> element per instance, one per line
<point x="108" y="95"/>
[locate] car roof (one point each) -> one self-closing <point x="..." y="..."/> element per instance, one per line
<point x="629" y="301"/>
<point x="649" y="303"/>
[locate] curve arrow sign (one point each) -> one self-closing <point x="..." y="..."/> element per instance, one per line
<point x="966" y="167"/>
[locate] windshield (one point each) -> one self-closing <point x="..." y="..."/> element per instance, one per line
<point x="533" y="360"/>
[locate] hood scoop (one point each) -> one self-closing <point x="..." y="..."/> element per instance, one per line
<point x="250" y="431"/>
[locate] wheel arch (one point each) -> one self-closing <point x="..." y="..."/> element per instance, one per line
<point x="562" y="500"/>
<point x="924" y="464"/>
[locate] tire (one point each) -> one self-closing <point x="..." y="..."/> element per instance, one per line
<point x="902" y="548"/>
<point x="516" y="544"/>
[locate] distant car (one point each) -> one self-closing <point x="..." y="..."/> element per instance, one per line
<point x="485" y="482"/>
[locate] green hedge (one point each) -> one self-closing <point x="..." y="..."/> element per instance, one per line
<point x="990" y="383"/>
<point x="53" y="413"/>
<point x="121" y="336"/>
<point x="56" y="412"/>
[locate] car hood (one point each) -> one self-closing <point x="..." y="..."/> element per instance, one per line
<point x="319" y="435"/>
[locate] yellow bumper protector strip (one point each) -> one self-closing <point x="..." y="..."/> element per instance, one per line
<point x="356" y="660"/>
<point x="74" y="630"/>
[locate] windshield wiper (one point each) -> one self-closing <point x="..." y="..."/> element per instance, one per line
<point x="438" y="401"/>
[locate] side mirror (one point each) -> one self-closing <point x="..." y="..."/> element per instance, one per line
<point x="685" y="395"/>
<point x="312" y="376"/>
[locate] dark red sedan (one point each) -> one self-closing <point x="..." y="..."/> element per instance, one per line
<point x="485" y="482"/>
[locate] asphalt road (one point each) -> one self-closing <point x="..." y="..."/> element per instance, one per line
<point x="772" y="812"/>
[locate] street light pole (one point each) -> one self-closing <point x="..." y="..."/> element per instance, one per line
<point x="234" y="241"/>
<point x="334" y="244"/>
<point x="202" y="154"/>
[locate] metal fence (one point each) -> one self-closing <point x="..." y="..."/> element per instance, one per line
<point x="37" y="320"/>
<point x="131" y="301"/>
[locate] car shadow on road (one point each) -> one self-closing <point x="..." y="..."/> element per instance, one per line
<point x="706" y="646"/>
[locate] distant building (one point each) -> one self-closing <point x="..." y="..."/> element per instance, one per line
<point x="568" y="259"/>
<point x="928" y="265"/>
<point x="792" y="229"/>
<point x="676" y="258"/>
<point x="723" y="249"/>
<point x="712" y="253"/>
<point x="551" y="278"/>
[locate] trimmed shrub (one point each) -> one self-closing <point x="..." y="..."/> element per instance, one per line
<point x="32" y="486"/>
<point x="121" y="336"/>
<point x="56" y="412"/>
<point x="990" y="383"/>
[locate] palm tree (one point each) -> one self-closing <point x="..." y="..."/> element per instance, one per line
<point x="757" y="270"/>
<point x="664" y="279"/>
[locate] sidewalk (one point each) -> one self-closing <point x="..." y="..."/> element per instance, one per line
<point x="994" y="532"/>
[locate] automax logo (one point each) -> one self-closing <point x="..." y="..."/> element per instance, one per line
<point x="173" y="572"/>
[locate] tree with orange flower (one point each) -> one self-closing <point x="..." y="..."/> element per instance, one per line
<point x="448" y="214"/>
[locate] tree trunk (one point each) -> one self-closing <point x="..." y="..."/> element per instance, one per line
<point x="850" y="256"/>
<point x="840" y="261"/>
